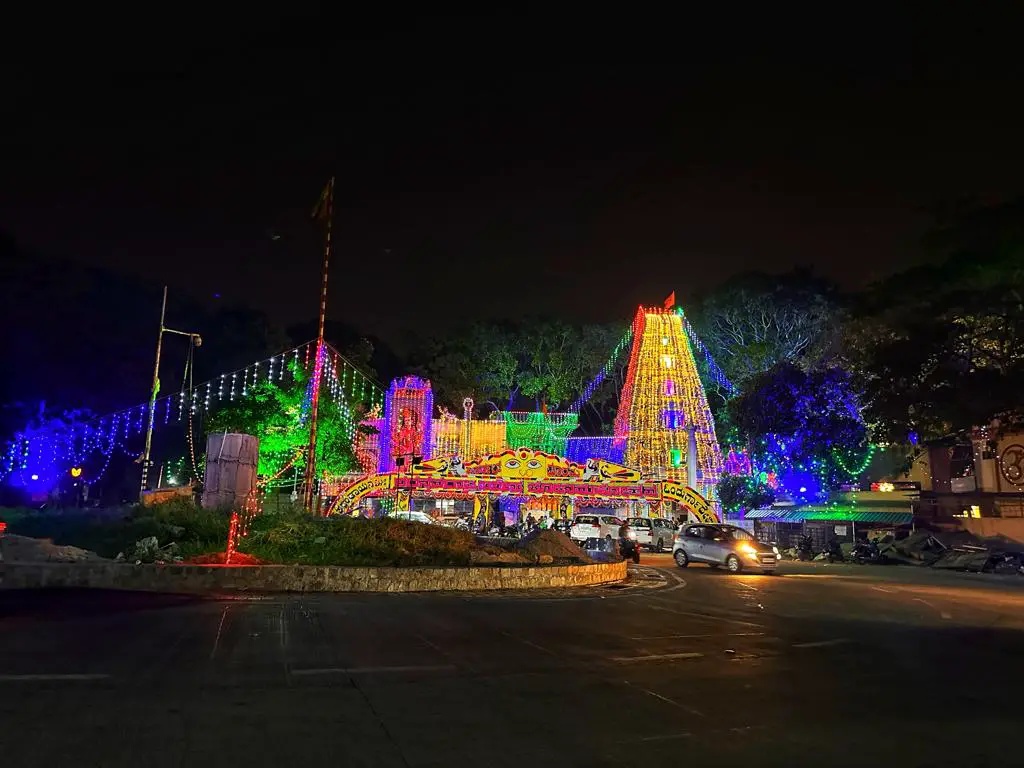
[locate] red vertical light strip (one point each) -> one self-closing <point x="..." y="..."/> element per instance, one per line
<point x="622" y="416"/>
<point x="318" y="366"/>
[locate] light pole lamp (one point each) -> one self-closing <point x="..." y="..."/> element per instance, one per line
<point x="197" y="341"/>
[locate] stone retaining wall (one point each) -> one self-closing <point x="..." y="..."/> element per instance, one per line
<point x="200" y="579"/>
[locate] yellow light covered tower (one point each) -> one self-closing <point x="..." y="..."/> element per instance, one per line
<point x="663" y="414"/>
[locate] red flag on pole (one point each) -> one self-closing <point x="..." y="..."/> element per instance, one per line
<point x="671" y="300"/>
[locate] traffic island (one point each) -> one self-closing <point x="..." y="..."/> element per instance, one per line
<point x="213" y="579"/>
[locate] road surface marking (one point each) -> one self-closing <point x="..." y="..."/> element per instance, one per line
<point x="683" y="637"/>
<point x="811" y="576"/>
<point x="220" y="629"/>
<point x="673" y="702"/>
<point x="746" y="585"/>
<point x="524" y="641"/>
<point x="29" y="678"/>
<point x="428" y="643"/>
<point x="683" y="735"/>
<point x="822" y="643"/>
<point x="943" y="614"/>
<point x="657" y="657"/>
<point x="702" y="615"/>
<point x="680" y="582"/>
<point x="883" y="589"/>
<point x="372" y="670"/>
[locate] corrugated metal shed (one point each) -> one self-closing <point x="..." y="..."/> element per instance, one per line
<point x="861" y="513"/>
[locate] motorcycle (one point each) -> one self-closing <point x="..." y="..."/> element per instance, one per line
<point x="834" y="553"/>
<point x="804" y="550"/>
<point x="865" y="552"/>
<point x="629" y="550"/>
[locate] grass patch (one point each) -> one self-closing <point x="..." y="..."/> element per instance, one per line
<point x="110" y="531"/>
<point x="291" y="537"/>
<point x="304" y="540"/>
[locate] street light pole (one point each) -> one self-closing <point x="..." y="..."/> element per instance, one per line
<point x="195" y="339"/>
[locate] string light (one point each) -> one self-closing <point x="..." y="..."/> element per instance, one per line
<point x="713" y="369"/>
<point x="588" y="391"/>
<point x="655" y="417"/>
<point x="62" y="447"/>
<point x="541" y="431"/>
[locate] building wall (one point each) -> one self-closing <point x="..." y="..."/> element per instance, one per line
<point x="1010" y="527"/>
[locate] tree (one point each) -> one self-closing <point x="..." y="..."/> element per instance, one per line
<point x="940" y="348"/>
<point x="481" y="362"/>
<point x="756" y="321"/>
<point x="278" y="417"/>
<point x="803" y="428"/>
<point x="739" y="493"/>
<point x="539" y="363"/>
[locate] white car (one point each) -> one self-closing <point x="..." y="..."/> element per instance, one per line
<point x="655" y="533"/>
<point x="594" y="527"/>
<point x="415" y="517"/>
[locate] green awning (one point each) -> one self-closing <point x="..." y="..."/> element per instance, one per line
<point x="861" y="513"/>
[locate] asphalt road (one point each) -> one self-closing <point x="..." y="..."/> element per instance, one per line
<point x="827" y="665"/>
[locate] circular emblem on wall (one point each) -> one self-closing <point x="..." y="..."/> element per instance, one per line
<point x="1011" y="464"/>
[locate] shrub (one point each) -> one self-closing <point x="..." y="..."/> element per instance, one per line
<point x="307" y="540"/>
<point x="110" y="531"/>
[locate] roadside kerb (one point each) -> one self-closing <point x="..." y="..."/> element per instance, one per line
<point x="202" y="579"/>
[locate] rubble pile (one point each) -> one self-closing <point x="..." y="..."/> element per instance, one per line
<point x="148" y="550"/>
<point x="550" y="546"/>
<point x="956" y="550"/>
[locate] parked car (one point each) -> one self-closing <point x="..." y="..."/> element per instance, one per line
<point x="415" y="517"/>
<point x="726" y="545"/>
<point x="652" y="532"/>
<point x="594" y="526"/>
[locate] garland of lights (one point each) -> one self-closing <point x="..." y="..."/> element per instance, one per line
<point x="540" y="431"/>
<point x="607" y="368"/>
<point x="662" y="400"/>
<point x="48" y="448"/>
<point x="863" y="465"/>
<point x="715" y="372"/>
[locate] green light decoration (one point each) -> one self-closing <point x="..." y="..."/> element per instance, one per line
<point x="540" y="431"/>
<point x="863" y="466"/>
<point x="274" y="413"/>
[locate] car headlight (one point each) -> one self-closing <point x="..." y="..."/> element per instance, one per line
<point x="748" y="550"/>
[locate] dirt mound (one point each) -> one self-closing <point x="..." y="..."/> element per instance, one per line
<point x="23" y="549"/>
<point x="539" y="545"/>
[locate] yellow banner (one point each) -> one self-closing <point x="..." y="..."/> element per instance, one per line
<point x="689" y="498"/>
<point x="351" y="496"/>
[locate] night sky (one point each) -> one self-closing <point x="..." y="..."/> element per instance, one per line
<point x="523" y="172"/>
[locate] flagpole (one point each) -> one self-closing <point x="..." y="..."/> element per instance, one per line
<point x="327" y="209"/>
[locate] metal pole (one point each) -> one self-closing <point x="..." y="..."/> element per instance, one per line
<point x="152" y="399"/>
<point x="315" y="401"/>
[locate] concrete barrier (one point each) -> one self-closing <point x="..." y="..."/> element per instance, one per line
<point x="205" y="579"/>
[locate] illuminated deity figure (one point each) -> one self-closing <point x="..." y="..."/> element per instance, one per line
<point x="409" y="436"/>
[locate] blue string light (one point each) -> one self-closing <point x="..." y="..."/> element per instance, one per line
<point x="713" y="370"/>
<point x="607" y="368"/>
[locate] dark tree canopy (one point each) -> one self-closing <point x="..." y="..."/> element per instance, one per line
<point x="755" y="321"/>
<point x="940" y="348"/>
<point x="539" y="363"/>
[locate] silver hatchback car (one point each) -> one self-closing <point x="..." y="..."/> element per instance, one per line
<point x="724" y="545"/>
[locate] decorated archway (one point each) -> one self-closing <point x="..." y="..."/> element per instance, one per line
<point x="525" y="472"/>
